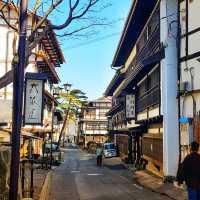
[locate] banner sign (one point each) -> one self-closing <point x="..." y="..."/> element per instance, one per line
<point x="130" y="106"/>
<point x="34" y="90"/>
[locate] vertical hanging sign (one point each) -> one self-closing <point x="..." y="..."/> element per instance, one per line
<point x="130" y="106"/>
<point x="34" y="92"/>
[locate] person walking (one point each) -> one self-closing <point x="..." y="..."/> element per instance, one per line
<point x="99" y="154"/>
<point x="189" y="171"/>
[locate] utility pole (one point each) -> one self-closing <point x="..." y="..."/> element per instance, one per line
<point x="18" y="86"/>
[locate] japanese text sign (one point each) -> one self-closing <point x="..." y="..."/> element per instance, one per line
<point x="34" y="100"/>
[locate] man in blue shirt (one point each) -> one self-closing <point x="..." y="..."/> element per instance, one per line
<point x="99" y="154"/>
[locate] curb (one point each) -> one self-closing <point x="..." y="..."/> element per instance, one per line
<point x="44" y="195"/>
<point x="145" y="186"/>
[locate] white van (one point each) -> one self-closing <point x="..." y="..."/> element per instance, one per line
<point x="109" y="150"/>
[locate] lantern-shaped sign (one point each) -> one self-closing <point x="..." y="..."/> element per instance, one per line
<point x="34" y="90"/>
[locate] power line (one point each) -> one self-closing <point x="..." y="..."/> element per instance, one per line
<point x="92" y="41"/>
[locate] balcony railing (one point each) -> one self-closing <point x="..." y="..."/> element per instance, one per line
<point x="147" y="44"/>
<point x="148" y="99"/>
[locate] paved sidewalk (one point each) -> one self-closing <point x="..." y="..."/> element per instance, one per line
<point x="38" y="182"/>
<point x="156" y="184"/>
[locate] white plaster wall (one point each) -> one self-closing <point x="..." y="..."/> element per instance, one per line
<point x="194" y="14"/>
<point x="6" y="56"/>
<point x="97" y="113"/>
<point x="47" y="87"/>
<point x="169" y="88"/>
<point x="71" y="129"/>
<point x="88" y="132"/>
<point x="193" y="66"/>
<point x="154" y="112"/>
<point x="193" y="18"/>
<point x="187" y="105"/>
<point x="132" y="124"/>
<point x="31" y="68"/>
<point x="142" y="116"/>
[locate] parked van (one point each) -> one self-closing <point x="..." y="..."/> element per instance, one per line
<point x="109" y="150"/>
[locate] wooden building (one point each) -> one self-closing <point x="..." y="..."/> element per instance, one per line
<point x="94" y="123"/>
<point x="189" y="62"/>
<point x="45" y="58"/>
<point x="144" y="114"/>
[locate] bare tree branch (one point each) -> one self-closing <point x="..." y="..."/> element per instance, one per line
<point x="44" y="18"/>
<point x="82" y="29"/>
<point x="75" y="5"/>
<point x="71" y="17"/>
<point x="34" y="39"/>
<point x="91" y="3"/>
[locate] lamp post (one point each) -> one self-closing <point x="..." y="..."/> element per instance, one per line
<point x="18" y="85"/>
<point x="56" y="92"/>
<point x="67" y="87"/>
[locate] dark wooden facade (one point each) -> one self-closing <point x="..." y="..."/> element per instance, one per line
<point x="142" y="79"/>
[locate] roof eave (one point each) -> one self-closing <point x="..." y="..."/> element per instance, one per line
<point x="124" y="32"/>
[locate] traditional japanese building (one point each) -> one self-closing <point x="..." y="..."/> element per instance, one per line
<point x="189" y="62"/>
<point x="94" y="123"/>
<point x="144" y="114"/>
<point x="46" y="57"/>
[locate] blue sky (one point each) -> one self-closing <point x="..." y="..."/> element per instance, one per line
<point x="87" y="66"/>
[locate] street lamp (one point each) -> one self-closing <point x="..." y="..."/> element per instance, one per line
<point x="67" y="87"/>
<point x="56" y="93"/>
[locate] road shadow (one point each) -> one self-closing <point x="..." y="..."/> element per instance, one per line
<point x="114" y="166"/>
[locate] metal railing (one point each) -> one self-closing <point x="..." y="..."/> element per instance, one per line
<point x="147" y="44"/>
<point x="148" y="99"/>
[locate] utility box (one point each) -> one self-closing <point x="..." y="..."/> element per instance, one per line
<point x="184" y="86"/>
<point x="187" y="135"/>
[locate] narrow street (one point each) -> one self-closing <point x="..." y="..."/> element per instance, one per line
<point x="79" y="178"/>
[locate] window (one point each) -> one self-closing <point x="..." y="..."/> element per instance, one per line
<point x="103" y="111"/>
<point x="148" y="91"/>
<point x="96" y="125"/>
<point x="142" y="88"/>
<point x="154" y="22"/>
<point x="91" y="114"/>
<point x="153" y="79"/>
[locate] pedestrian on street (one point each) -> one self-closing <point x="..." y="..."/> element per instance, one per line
<point x="99" y="154"/>
<point x="189" y="171"/>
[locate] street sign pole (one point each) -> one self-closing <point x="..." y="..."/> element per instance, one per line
<point x="18" y="85"/>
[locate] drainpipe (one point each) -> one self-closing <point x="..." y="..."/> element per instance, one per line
<point x="179" y="76"/>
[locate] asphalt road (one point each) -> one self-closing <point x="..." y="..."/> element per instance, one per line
<point x="78" y="178"/>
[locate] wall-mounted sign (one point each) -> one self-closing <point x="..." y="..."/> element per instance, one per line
<point x="34" y="90"/>
<point x="130" y="106"/>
